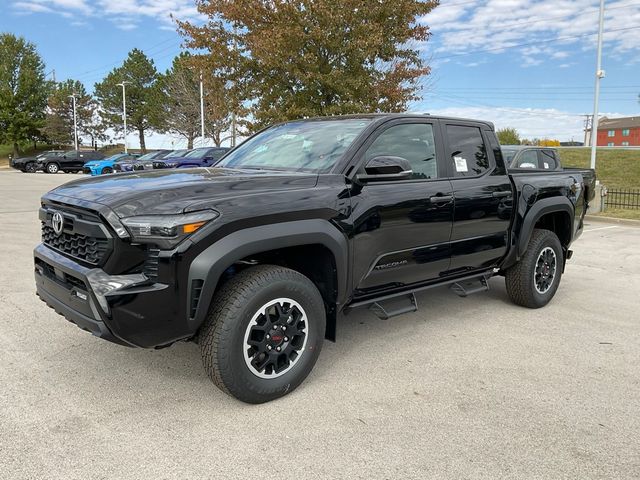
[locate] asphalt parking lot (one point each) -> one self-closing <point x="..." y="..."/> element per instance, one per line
<point x="464" y="388"/>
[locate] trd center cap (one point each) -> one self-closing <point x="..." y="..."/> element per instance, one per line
<point x="277" y="337"/>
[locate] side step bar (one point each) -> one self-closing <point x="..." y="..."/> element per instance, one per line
<point x="462" y="286"/>
<point x="394" y="307"/>
<point x="464" y="289"/>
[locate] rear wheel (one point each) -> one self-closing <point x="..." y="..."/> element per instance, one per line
<point x="52" y="168"/>
<point x="263" y="334"/>
<point x="107" y="170"/>
<point x="534" y="280"/>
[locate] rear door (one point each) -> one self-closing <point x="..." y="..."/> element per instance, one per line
<point x="401" y="228"/>
<point x="483" y="196"/>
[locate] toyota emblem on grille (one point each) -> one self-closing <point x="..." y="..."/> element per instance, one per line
<point x="57" y="222"/>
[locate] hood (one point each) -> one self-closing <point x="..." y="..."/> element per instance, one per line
<point x="168" y="159"/>
<point x="158" y="192"/>
<point x="94" y="163"/>
<point x="25" y="159"/>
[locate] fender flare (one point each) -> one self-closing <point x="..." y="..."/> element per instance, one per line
<point x="537" y="211"/>
<point x="213" y="261"/>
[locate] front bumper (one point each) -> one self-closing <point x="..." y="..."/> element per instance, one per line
<point x="126" y="309"/>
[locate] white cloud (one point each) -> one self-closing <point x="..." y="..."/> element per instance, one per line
<point x="125" y="14"/>
<point x="531" y="28"/>
<point x="530" y="122"/>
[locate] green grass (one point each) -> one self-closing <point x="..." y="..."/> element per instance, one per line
<point x="628" y="213"/>
<point x="614" y="168"/>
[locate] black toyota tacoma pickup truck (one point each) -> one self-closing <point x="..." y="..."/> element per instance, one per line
<point x="258" y="258"/>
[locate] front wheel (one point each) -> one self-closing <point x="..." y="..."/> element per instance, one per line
<point x="534" y="280"/>
<point x="107" y="170"/>
<point x="30" y="167"/>
<point x="53" y="168"/>
<point x="263" y="334"/>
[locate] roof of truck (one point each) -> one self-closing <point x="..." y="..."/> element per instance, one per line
<point x="381" y="116"/>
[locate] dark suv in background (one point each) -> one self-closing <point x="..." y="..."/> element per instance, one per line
<point x="30" y="164"/>
<point x="71" y="161"/>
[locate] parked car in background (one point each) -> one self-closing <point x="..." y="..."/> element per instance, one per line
<point x="198" y="157"/>
<point x="30" y="164"/>
<point x="71" y="161"/>
<point x="128" y="166"/>
<point x="160" y="162"/>
<point x="529" y="157"/>
<point x="103" y="167"/>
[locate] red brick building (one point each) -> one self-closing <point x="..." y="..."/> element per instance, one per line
<point x="619" y="132"/>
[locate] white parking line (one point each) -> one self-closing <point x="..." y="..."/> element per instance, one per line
<point x="601" y="228"/>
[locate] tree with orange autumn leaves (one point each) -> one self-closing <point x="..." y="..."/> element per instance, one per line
<point x="278" y="60"/>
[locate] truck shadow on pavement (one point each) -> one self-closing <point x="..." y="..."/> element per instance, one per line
<point x="179" y="367"/>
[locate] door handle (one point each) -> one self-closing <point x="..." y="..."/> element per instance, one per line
<point x="441" y="198"/>
<point x="504" y="193"/>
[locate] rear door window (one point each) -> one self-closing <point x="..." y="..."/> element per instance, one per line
<point x="468" y="152"/>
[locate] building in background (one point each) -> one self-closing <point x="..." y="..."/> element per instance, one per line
<point x="619" y="132"/>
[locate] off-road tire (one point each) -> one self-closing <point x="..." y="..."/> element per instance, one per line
<point x="222" y="336"/>
<point x="519" y="279"/>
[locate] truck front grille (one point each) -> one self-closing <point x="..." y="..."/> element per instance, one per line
<point x="83" y="247"/>
<point x="83" y="237"/>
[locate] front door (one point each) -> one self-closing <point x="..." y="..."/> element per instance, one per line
<point x="402" y="228"/>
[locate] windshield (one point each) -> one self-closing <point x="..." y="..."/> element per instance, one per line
<point x="174" y="153"/>
<point x="305" y="146"/>
<point x="198" y="153"/>
<point x="148" y="156"/>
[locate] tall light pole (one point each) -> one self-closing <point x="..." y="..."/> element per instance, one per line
<point x="75" y="122"/>
<point x="596" y="96"/>
<point x="201" y="108"/>
<point x="124" y="112"/>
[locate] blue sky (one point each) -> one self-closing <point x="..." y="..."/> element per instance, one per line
<point x="526" y="64"/>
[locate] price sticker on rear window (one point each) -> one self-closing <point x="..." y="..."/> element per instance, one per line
<point x="461" y="164"/>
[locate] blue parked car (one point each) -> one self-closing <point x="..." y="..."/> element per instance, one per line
<point x="130" y="165"/>
<point x="198" y="157"/>
<point x="101" y="167"/>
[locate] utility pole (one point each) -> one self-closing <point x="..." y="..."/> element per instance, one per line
<point x="201" y="108"/>
<point x="75" y="123"/>
<point x="596" y="97"/>
<point x="124" y="112"/>
<point x="587" y="129"/>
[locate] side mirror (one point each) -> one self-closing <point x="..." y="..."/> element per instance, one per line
<point x="386" y="167"/>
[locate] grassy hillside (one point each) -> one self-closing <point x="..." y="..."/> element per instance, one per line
<point x="614" y="168"/>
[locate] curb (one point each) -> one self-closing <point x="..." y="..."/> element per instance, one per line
<point x="603" y="219"/>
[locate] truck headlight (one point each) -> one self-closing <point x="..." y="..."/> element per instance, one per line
<point x="166" y="231"/>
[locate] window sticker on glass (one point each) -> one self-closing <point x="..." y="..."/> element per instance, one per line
<point x="461" y="164"/>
